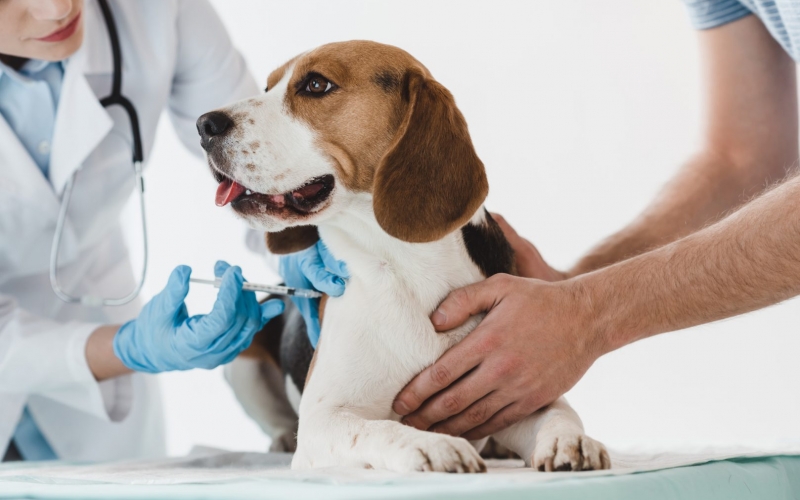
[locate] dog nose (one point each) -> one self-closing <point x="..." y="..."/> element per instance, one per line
<point x="212" y="124"/>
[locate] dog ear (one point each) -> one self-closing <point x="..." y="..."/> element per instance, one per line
<point x="292" y="239"/>
<point x="431" y="181"/>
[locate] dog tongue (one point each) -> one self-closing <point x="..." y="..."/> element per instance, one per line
<point x="228" y="191"/>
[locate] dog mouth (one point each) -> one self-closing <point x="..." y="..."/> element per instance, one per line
<point x="302" y="200"/>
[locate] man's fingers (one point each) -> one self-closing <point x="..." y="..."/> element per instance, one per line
<point x="504" y="418"/>
<point x="508" y="231"/>
<point x="530" y="263"/>
<point x="517" y="242"/>
<point x="450" y="367"/>
<point x="477" y="414"/>
<point x="469" y="301"/>
<point x="452" y="401"/>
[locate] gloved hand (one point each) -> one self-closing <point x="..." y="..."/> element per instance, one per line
<point x="164" y="337"/>
<point x="315" y="268"/>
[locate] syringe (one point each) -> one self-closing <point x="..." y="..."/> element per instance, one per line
<point x="274" y="289"/>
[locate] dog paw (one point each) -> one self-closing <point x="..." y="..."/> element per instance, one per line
<point x="437" y="453"/>
<point x="283" y="443"/>
<point x="570" y="452"/>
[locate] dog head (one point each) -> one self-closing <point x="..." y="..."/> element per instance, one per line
<point x="341" y="120"/>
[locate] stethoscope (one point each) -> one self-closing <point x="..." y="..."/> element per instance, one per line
<point x="115" y="98"/>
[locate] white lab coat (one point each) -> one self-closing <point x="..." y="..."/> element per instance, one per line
<point x="176" y="56"/>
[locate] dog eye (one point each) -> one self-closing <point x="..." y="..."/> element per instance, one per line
<point x="266" y="89"/>
<point x="317" y="86"/>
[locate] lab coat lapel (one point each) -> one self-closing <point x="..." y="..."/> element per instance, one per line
<point x="81" y="124"/>
<point x="19" y="174"/>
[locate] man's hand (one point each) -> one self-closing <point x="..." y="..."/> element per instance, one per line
<point x="530" y="263"/>
<point x="532" y="346"/>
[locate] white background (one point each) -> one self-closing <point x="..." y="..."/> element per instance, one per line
<point x="580" y="111"/>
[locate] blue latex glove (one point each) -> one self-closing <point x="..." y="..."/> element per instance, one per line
<point x="315" y="268"/>
<point x="164" y="337"/>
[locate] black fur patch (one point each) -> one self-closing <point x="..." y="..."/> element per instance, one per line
<point x="270" y="336"/>
<point x="295" y="349"/>
<point x="488" y="247"/>
<point x="386" y="80"/>
<point x="12" y="453"/>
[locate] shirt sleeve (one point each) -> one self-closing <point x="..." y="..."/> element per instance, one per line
<point x="210" y="72"/>
<point x="707" y="14"/>
<point x="47" y="358"/>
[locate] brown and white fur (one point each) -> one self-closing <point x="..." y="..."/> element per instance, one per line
<point x="358" y="140"/>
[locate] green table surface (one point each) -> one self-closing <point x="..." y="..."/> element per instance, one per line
<point x="772" y="477"/>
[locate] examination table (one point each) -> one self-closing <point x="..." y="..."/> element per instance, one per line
<point x="712" y="474"/>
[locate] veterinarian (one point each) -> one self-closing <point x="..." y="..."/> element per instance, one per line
<point x="67" y="384"/>
<point x="722" y="238"/>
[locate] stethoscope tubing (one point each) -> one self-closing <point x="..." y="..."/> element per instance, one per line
<point x="93" y="300"/>
<point x="115" y="98"/>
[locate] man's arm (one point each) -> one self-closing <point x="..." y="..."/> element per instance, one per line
<point x="537" y="341"/>
<point x="750" y="142"/>
<point x="745" y="262"/>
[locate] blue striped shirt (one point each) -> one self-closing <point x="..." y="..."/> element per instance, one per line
<point x="781" y="17"/>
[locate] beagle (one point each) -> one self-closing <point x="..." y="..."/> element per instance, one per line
<point x="356" y="143"/>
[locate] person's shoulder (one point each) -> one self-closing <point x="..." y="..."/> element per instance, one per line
<point x="706" y="14"/>
<point x="148" y="27"/>
<point x="164" y="5"/>
<point x="168" y="12"/>
<point x="149" y="10"/>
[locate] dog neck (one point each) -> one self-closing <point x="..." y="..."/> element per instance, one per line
<point x="375" y="257"/>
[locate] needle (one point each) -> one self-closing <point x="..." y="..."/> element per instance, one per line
<point x="274" y="289"/>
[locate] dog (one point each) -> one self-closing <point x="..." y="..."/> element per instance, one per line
<point x="355" y="142"/>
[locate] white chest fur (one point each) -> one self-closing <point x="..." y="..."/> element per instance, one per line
<point x="378" y="335"/>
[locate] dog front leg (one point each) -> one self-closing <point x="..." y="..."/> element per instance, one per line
<point x="259" y="387"/>
<point x="340" y="437"/>
<point x="553" y="439"/>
